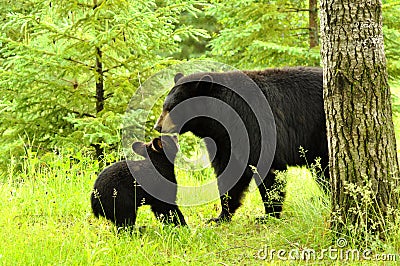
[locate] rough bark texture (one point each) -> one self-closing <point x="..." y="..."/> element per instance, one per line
<point x="362" y="146"/>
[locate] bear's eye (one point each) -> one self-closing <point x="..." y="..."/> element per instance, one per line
<point x="169" y="105"/>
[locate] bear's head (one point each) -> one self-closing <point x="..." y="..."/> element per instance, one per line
<point x="162" y="148"/>
<point x="182" y="104"/>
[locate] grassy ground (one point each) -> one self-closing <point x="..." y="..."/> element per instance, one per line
<point x="45" y="219"/>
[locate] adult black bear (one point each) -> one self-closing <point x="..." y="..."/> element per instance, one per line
<point x="117" y="193"/>
<point x="295" y="97"/>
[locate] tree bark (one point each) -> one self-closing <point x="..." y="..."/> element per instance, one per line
<point x="362" y="148"/>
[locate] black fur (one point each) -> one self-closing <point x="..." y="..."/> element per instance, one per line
<point x="295" y="97"/>
<point x="117" y="194"/>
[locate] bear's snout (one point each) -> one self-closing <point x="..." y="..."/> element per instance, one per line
<point x="164" y="123"/>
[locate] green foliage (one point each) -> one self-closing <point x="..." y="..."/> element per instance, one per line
<point x="196" y="46"/>
<point x="49" y="59"/>
<point x="55" y="55"/>
<point x="90" y="130"/>
<point x="259" y="34"/>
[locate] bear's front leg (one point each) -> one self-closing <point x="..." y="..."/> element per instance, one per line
<point x="231" y="200"/>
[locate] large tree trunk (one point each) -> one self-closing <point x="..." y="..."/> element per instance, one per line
<point x="362" y="147"/>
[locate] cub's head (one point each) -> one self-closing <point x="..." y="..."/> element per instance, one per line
<point x="160" y="148"/>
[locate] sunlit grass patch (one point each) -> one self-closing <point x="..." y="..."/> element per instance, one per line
<point x="46" y="218"/>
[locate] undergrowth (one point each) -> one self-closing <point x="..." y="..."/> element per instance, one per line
<point x="45" y="218"/>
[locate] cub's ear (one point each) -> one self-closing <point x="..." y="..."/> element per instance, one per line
<point x="177" y="77"/>
<point x="157" y="145"/>
<point x="139" y="148"/>
<point x="169" y="141"/>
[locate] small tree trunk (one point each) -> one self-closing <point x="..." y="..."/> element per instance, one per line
<point x="313" y="23"/>
<point x="99" y="81"/>
<point x="363" y="159"/>
<point x="99" y="95"/>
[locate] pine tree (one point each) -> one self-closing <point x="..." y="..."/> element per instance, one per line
<point x="69" y="68"/>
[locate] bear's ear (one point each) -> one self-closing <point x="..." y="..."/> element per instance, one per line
<point x="177" y="77"/>
<point x="139" y="148"/>
<point x="157" y="145"/>
<point x="207" y="78"/>
<point x="205" y="83"/>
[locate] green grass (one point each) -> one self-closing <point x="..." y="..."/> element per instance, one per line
<point x="45" y="219"/>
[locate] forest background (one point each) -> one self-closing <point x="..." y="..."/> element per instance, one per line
<point x="68" y="70"/>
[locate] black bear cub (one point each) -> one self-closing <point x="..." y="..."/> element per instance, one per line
<point x="117" y="194"/>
